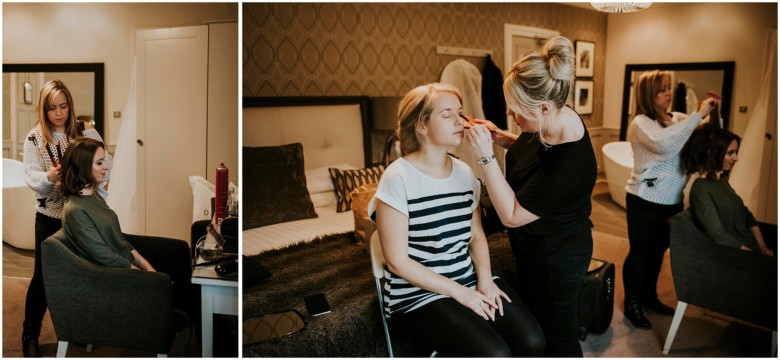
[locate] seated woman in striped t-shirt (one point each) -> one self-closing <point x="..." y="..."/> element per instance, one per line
<point x="439" y="285"/>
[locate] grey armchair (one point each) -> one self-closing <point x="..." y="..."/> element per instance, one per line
<point x="121" y="308"/>
<point x="737" y="283"/>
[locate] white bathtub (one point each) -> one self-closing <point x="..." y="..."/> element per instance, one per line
<point x="18" y="207"/>
<point x="618" y="163"/>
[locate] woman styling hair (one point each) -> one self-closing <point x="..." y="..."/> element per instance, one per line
<point x="44" y="147"/>
<point x="654" y="192"/>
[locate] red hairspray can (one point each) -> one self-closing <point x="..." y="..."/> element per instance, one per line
<point x="221" y="195"/>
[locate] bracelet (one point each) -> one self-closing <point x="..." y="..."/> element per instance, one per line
<point x="486" y="159"/>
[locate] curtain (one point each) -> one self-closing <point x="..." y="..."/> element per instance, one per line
<point x="747" y="178"/>
<point x="122" y="185"/>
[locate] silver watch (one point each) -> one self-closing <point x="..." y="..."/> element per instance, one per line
<point x="486" y="159"/>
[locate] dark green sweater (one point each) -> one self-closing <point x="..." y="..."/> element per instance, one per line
<point x="720" y="212"/>
<point x="94" y="230"/>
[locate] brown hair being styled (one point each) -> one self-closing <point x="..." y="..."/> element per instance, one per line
<point x="705" y="150"/>
<point x="51" y="89"/>
<point x="650" y="83"/>
<point x="541" y="77"/>
<point x="77" y="166"/>
<point x="414" y="111"/>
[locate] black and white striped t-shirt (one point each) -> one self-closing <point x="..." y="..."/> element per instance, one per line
<point x="439" y="212"/>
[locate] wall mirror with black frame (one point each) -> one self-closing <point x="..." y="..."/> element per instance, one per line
<point x="690" y="83"/>
<point x="21" y="89"/>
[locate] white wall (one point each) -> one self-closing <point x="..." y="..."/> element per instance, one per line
<point x="96" y="32"/>
<point x="690" y="32"/>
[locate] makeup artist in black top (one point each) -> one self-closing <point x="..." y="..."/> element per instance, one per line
<point x="545" y="199"/>
<point x="43" y="150"/>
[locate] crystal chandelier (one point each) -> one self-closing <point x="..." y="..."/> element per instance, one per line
<point x="620" y="7"/>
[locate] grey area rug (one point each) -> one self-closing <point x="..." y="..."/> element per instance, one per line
<point x="340" y="269"/>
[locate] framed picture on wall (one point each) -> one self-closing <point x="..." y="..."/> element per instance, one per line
<point x="583" y="97"/>
<point x="584" y="63"/>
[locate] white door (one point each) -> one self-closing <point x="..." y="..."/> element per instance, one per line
<point x="172" y="113"/>
<point x="521" y="39"/>
<point x="223" y="100"/>
<point x="768" y="182"/>
<point x="522" y="45"/>
<point x="770" y="211"/>
<point x="21" y="117"/>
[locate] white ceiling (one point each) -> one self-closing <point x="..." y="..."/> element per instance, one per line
<point x="586" y="5"/>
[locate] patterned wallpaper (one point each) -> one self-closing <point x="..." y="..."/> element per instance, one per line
<point x="386" y="49"/>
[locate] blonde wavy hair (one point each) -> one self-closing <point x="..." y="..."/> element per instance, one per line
<point x="650" y="83"/>
<point x="49" y="91"/>
<point x="414" y="111"/>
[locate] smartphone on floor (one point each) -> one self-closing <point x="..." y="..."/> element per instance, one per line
<point x="316" y="304"/>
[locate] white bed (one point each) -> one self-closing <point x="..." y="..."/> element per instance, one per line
<point x="334" y="132"/>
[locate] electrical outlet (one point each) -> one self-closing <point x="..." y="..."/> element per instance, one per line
<point x="117" y="114"/>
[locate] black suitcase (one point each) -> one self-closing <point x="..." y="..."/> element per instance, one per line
<point x="597" y="298"/>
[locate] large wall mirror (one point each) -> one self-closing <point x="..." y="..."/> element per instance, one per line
<point x="21" y="88"/>
<point x="690" y="83"/>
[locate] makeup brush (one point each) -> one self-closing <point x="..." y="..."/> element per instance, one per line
<point x="471" y="122"/>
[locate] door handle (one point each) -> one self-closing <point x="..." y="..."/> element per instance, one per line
<point x="140" y="142"/>
<point x="768" y="136"/>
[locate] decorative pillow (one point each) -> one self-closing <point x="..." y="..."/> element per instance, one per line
<point x="276" y="186"/>
<point x="318" y="180"/>
<point x="323" y="199"/>
<point x="360" y="198"/>
<point x="347" y="180"/>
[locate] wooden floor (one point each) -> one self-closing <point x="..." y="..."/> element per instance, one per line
<point x="17" y="262"/>
<point x="607" y="216"/>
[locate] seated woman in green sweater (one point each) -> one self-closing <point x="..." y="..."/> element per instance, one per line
<point x="89" y="223"/>
<point x="711" y="154"/>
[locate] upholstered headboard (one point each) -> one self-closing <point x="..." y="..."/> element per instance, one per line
<point x="333" y="130"/>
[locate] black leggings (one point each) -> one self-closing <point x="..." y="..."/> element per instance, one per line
<point x="550" y="288"/>
<point x="35" y="305"/>
<point x="455" y="330"/>
<point x="648" y="236"/>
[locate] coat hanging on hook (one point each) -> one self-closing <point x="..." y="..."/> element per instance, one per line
<point x="493" y="103"/>
<point x="678" y="103"/>
<point x="466" y="77"/>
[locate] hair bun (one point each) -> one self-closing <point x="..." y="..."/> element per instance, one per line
<point x="560" y="58"/>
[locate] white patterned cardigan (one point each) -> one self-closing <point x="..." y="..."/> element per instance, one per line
<point x="657" y="175"/>
<point x="37" y="162"/>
